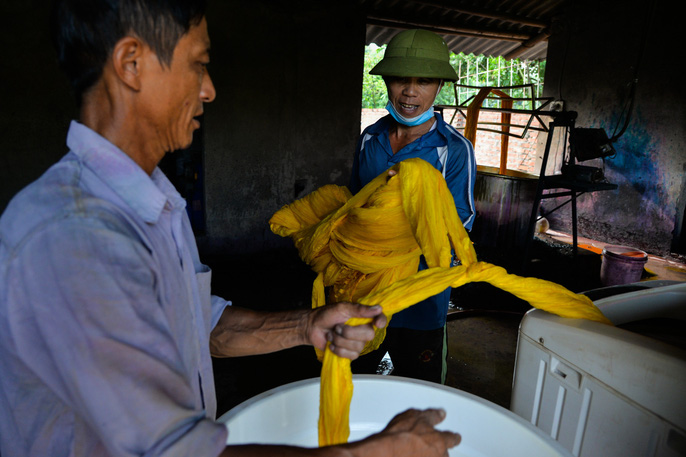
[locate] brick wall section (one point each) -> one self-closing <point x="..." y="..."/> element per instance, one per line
<point x="521" y="154"/>
<point x="369" y="116"/>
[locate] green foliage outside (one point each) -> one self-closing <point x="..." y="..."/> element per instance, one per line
<point x="373" y="88"/>
<point x="472" y="70"/>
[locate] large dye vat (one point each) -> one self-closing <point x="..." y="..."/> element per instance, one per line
<point x="503" y="205"/>
<point x="289" y="415"/>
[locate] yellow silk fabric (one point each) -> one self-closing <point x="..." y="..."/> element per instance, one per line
<point x="366" y="248"/>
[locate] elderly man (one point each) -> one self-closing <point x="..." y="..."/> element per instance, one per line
<point x="106" y="317"/>
<point x="414" y="66"/>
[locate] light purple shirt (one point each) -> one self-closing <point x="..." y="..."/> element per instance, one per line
<point x="105" y="314"/>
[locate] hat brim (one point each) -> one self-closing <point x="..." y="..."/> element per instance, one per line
<point x="418" y="67"/>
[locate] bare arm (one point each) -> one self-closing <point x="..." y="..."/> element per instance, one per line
<point x="242" y="331"/>
<point x="411" y="433"/>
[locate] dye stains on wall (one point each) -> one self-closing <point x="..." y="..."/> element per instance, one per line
<point x="599" y="50"/>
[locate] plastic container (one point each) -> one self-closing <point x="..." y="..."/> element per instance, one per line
<point x="289" y="415"/>
<point x="603" y="390"/>
<point x="621" y="265"/>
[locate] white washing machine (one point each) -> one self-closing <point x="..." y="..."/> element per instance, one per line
<point x="604" y="391"/>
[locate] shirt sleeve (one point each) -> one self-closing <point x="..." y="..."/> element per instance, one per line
<point x="86" y="320"/>
<point x="461" y="177"/>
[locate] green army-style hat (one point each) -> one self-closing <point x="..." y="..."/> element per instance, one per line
<point x="416" y="53"/>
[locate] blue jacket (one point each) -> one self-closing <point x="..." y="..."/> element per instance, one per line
<point x="452" y="154"/>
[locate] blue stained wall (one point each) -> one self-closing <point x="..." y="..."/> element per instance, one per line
<point x="597" y="50"/>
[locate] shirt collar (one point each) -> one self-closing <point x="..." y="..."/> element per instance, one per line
<point x="380" y="126"/>
<point x="441" y="126"/>
<point x="437" y="135"/>
<point x="146" y="195"/>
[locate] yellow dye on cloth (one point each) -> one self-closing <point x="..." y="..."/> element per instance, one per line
<point x="366" y="249"/>
<point x="363" y="243"/>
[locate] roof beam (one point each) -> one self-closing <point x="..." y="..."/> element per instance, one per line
<point x="543" y="36"/>
<point x="487" y="14"/>
<point x="407" y="22"/>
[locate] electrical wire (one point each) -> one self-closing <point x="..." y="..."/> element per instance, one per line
<point x="634" y="82"/>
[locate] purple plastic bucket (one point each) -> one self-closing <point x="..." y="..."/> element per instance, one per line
<point x="621" y="265"/>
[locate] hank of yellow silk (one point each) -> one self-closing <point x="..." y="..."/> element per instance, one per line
<point x="363" y="243"/>
<point x="366" y="248"/>
<point x="336" y="387"/>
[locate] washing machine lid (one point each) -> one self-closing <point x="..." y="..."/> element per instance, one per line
<point x="647" y="370"/>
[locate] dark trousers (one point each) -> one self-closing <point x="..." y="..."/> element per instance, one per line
<point x="419" y="354"/>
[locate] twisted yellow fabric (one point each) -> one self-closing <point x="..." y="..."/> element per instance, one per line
<point x="366" y="248"/>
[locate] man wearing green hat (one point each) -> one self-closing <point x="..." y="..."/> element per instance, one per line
<point x="414" y="67"/>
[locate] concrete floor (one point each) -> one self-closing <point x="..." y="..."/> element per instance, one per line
<point x="482" y="328"/>
<point x="482" y="353"/>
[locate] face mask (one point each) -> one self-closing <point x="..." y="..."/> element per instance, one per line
<point x="410" y="122"/>
<point x="417" y="120"/>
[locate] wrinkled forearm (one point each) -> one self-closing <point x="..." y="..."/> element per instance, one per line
<point x="241" y="331"/>
<point x="378" y="445"/>
<point x="252" y="450"/>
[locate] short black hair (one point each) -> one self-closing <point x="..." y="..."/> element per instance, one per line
<point x="84" y="32"/>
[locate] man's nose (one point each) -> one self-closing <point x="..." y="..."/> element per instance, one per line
<point x="410" y="89"/>
<point x="207" y="91"/>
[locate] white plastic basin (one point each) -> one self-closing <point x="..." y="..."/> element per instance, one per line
<point x="289" y="415"/>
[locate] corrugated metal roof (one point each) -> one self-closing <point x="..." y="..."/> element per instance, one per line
<point x="508" y="28"/>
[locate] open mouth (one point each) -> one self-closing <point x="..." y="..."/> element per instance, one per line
<point x="196" y="121"/>
<point x="408" y="107"/>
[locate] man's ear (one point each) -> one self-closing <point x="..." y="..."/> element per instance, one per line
<point x="127" y="57"/>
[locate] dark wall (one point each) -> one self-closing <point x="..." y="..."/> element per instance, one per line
<point x="285" y="121"/>
<point x="35" y="103"/>
<point x="596" y="52"/>
<point x="287" y="114"/>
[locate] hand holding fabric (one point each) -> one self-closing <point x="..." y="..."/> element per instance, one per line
<point x="327" y="325"/>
